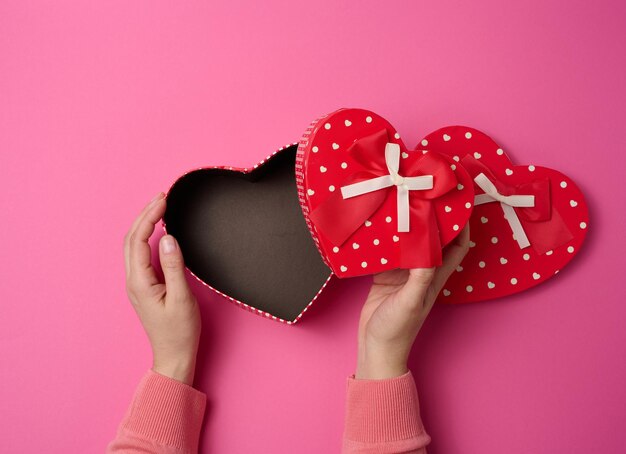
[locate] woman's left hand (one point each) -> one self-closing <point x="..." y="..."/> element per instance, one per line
<point x="168" y="311"/>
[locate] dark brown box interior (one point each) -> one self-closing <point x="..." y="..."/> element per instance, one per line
<point x="245" y="235"/>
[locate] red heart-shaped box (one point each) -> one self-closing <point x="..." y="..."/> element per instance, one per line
<point x="499" y="263"/>
<point x="377" y="230"/>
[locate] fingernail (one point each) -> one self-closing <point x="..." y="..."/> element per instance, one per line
<point x="168" y="244"/>
<point x="157" y="197"/>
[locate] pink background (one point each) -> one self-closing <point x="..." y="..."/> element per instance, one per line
<point x="103" y="104"/>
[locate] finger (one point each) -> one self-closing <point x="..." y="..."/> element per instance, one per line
<point x="458" y="247"/>
<point x="141" y="271"/>
<point x="133" y="227"/>
<point x="453" y="255"/>
<point x="173" y="267"/>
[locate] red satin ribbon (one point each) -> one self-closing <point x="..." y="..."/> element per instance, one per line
<point x="543" y="224"/>
<point x="338" y="218"/>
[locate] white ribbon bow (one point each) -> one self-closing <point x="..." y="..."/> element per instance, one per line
<point x="404" y="185"/>
<point x="507" y="202"/>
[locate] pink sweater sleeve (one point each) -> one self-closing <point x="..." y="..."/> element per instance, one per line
<point x="165" y="417"/>
<point x="382" y="417"/>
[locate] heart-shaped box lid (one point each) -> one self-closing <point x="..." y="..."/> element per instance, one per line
<point x="370" y="203"/>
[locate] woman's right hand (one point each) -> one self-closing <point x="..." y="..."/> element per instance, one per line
<point x="395" y="310"/>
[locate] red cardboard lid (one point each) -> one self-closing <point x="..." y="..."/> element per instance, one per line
<point x="370" y="203"/>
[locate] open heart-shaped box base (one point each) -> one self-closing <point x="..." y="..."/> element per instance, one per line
<point x="242" y="234"/>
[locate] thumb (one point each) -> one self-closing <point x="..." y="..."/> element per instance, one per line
<point x="173" y="267"/>
<point x="416" y="286"/>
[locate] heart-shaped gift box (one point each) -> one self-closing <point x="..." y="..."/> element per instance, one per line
<point x="370" y="203"/>
<point x="242" y="234"/>
<point x="528" y="221"/>
<point x="367" y="204"/>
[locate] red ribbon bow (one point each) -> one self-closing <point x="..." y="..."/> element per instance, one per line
<point x="542" y="224"/>
<point x="338" y="218"/>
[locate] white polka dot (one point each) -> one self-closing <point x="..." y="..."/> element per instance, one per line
<point x="468" y="205"/>
<point x="570" y="249"/>
<point x="331" y="188"/>
<point x="460" y="187"/>
<point x="481" y="264"/>
<point x="335" y="249"/>
<point x="490" y="285"/>
<point x="368" y="119"/>
<point x="503" y="261"/>
<point x="355" y="246"/>
<point x="343" y="268"/>
<point x="563" y="184"/>
<point x="376" y="242"/>
<point x="472" y="244"/>
<point x="549" y="252"/>
<point x="405" y="155"/>
<point x="531" y="168"/>
<point x="363" y="264"/>
<point x="396" y="238"/>
<point x="446" y="137"/>
<point x="368" y="223"/>
<point x="459" y="268"/>
<point x="468" y="135"/>
<point x="344" y="165"/>
<point x="424" y="143"/>
<point x="526" y="257"/>
<point x="484" y="220"/>
<point x="446" y="292"/>
<point x="573" y="203"/>
<point x="513" y="281"/>
<point x="453" y="166"/>
<point x="447" y="209"/>
<point x="494" y="239"/>
<point x="396" y="135"/>
<point x="347" y="123"/>
<point x="456" y="158"/>
<point x="383" y="261"/>
<point x="536" y="276"/>
<point x="327" y="125"/>
<point x="583" y="225"/>
<point x="388" y="219"/>
<point x="508" y="172"/>
<point x="455" y="227"/>
<point x="477" y="155"/>
<point x="323" y="169"/>
<point x="469" y="289"/>
<point x="500" y="151"/>
<point x="315" y="149"/>
<point x="310" y="191"/>
<point x="335" y="146"/>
